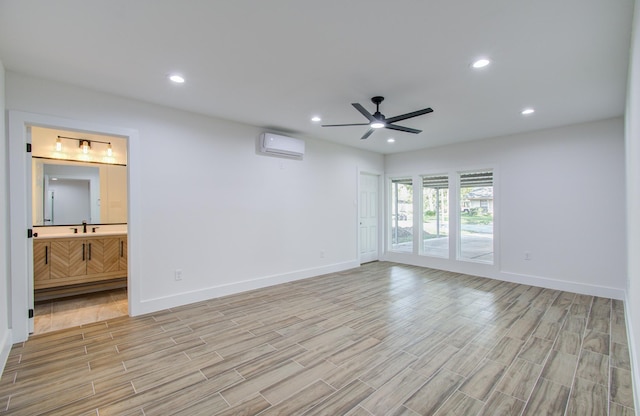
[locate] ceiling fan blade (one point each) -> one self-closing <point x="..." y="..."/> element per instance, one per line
<point x="409" y="115"/>
<point x="363" y="111"/>
<point x="340" y="125"/>
<point x="402" y="128"/>
<point x="367" y="134"/>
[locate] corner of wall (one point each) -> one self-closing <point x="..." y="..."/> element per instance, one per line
<point x="5" y="332"/>
<point x="632" y="143"/>
<point x="5" y="348"/>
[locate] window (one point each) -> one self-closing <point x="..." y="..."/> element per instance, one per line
<point x="476" y="216"/>
<point x="435" y="216"/>
<point x="402" y="215"/>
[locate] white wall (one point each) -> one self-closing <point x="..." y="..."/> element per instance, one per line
<point x="229" y="218"/>
<point x="633" y="202"/>
<point x="5" y="333"/>
<point x="559" y="196"/>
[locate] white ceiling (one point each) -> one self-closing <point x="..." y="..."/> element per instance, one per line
<point x="276" y="63"/>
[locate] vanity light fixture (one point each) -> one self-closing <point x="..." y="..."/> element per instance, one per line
<point x="84" y="144"/>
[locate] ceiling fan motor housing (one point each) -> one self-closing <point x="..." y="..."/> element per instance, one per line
<point x="377" y="100"/>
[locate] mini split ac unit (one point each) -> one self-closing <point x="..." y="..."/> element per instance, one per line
<point x="273" y="144"/>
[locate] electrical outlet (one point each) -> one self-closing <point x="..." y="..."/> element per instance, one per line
<point x="178" y="274"/>
<point x="527" y="255"/>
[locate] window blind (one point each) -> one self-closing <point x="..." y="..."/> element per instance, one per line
<point x="476" y="179"/>
<point x="435" y="182"/>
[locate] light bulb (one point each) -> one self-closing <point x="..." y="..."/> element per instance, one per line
<point x="109" y="150"/>
<point x="481" y="63"/>
<point x="58" y="145"/>
<point x="176" y="78"/>
<point x="85" y="147"/>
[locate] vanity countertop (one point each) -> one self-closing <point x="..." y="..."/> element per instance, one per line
<point x="79" y="235"/>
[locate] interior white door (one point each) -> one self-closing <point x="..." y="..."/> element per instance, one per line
<point x="368" y="205"/>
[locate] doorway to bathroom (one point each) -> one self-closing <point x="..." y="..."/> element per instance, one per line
<point x="21" y="226"/>
<point x="79" y="218"/>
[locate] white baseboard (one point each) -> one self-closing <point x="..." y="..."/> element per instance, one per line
<point x="564" y="285"/>
<point x="5" y="348"/>
<point x="185" y="298"/>
<point x="491" y="271"/>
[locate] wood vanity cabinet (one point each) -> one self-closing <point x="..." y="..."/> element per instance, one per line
<point x="108" y="255"/>
<point x="76" y="260"/>
<point x="41" y="261"/>
<point x="123" y="253"/>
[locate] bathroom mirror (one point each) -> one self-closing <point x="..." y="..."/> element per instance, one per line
<point x="68" y="192"/>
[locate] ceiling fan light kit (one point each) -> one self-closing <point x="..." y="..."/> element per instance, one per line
<point x="377" y="120"/>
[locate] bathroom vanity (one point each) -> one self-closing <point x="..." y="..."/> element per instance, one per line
<point x="78" y="263"/>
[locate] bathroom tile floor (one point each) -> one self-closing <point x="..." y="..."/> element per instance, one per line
<point x="79" y="310"/>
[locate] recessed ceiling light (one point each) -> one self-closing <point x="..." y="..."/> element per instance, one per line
<point x="481" y="63"/>
<point x="527" y="111"/>
<point x="391" y="140"/>
<point x="176" y="78"/>
<point x="316" y="119"/>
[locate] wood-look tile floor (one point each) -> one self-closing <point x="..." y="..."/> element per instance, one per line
<point x="382" y="339"/>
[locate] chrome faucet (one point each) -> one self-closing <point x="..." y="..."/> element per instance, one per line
<point x="84" y="227"/>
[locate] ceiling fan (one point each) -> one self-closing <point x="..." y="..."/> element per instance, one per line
<point x="377" y="120"/>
